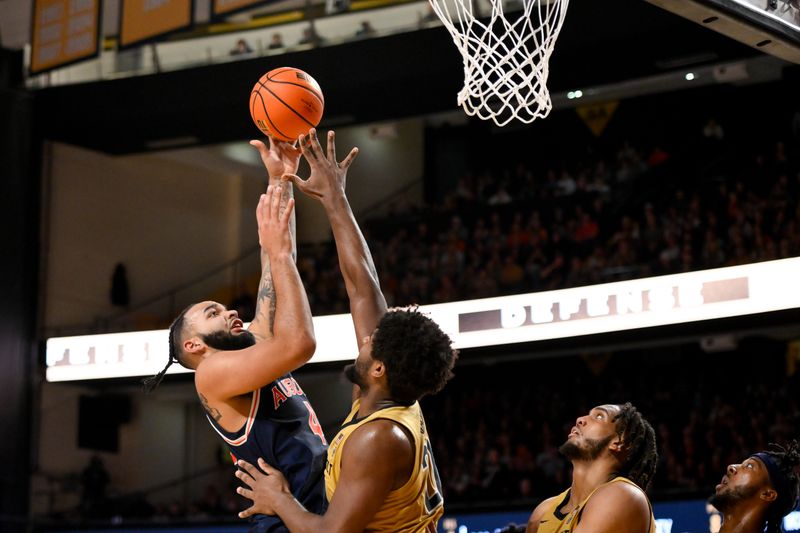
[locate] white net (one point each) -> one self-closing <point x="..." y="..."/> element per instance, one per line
<point x="506" y="57"/>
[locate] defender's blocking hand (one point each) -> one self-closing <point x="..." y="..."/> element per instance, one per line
<point x="328" y="177"/>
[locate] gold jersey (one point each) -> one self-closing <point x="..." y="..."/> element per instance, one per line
<point x="553" y="521"/>
<point x="416" y="506"/>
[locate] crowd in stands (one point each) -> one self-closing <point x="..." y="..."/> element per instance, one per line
<point x="497" y="430"/>
<point x="634" y="214"/>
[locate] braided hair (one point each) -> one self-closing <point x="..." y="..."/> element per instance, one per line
<point x="786" y="460"/>
<point x="639" y="464"/>
<point x="175" y="352"/>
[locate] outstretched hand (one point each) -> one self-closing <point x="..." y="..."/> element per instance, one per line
<point x="279" y="159"/>
<point x="265" y="486"/>
<point x="273" y="226"/>
<point x="328" y="176"/>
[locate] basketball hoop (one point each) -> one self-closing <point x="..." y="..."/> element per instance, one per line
<point x="506" y="61"/>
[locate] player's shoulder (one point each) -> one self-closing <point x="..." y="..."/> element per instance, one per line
<point x="382" y="432"/>
<point x="621" y="491"/>
<point x="541" y="510"/>
<point x="629" y="502"/>
<point x="375" y="440"/>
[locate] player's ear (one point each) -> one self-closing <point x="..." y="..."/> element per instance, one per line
<point x="193" y="346"/>
<point x="768" y="495"/>
<point x="617" y="444"/>
<point x="377" y="369"/>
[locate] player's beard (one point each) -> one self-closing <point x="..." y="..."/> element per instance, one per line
<point x="589" y="452"/>
<point x="355" y="375"/>
<point x="225" y="340"/>
<point x="728" y="499"/>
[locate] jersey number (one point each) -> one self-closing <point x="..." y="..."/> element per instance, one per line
<point x="433" y="483"/>
<point x="314" y="424"/>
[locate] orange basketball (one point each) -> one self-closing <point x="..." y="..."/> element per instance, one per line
<point x="286" y="102"/>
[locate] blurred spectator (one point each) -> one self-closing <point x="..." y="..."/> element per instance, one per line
<point x="429" y="15"/>
<point x="94" y="481"/>
<point x="242" y="47"/>
<point x="276" y="42"/>
<point x="310" y="36"/>
<point x="365" y="30"/>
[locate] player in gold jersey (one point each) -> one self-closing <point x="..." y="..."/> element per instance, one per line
<point x="613" y="454"/>
<point x="381" y="475"/>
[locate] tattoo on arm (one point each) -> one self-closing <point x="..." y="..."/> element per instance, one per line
<point x="288" y="192"/>
<point x="213" y="413"/>
<point x="266" y="302"/>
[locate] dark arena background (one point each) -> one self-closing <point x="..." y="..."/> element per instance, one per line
<point x="641" y="243"/>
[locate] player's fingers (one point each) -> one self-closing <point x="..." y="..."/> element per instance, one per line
<point x="247" y="493"/>
<point x="311" y="149"/>
<point x="245" y="478"/>
<point x="260" y="209"/>
<point x="261" y="147"/>
<point x="293" y="149"/>
<point x="275" y="209"/>
<point x="303" y="143"/>
<point x="249" y="469"/>
<point x="332" y="147"/>
<point x="266" y="467"/>
<point x="315" y="145"/>
<point x="286" y="214"/>
<point x="267" y="210"/>
<point x="297" y="180"/>
<point x="349" y="159"/>
<point x="247" y="513"/>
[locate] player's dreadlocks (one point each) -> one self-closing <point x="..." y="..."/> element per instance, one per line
<point x="638" y="436"/>
<point x="175" y="351"/>
<point x="784" y="479"/>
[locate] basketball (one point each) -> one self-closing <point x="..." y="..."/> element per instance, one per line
<point x="286" y="102"/>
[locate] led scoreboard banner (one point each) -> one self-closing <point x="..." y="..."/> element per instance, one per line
<point x="625" y="305"/>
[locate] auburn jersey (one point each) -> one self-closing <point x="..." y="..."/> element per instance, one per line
<point x="283" y="429"/>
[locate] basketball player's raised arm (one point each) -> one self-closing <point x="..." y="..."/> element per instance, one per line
<point x="327" y="184"/>
<point x="279" y="159"/>
<point x="228" y="374"/>
<point x="367" y="478"/>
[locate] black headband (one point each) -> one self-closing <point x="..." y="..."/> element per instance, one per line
<point x="779" y="480"/>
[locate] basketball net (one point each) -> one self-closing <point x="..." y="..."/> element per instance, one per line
<point x="506" y="60"/>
